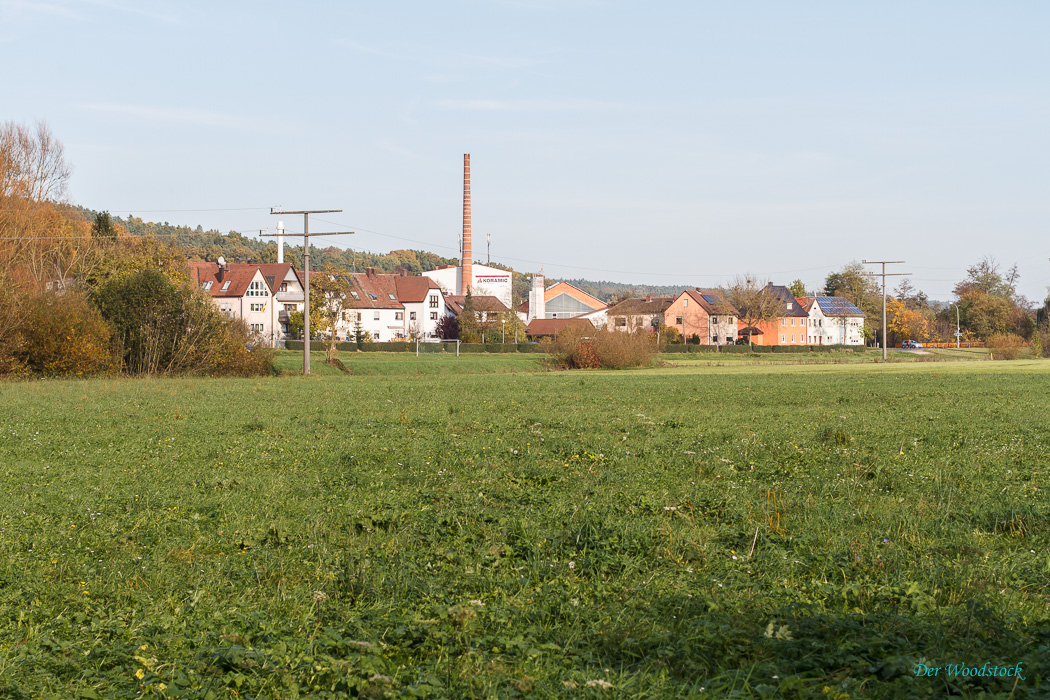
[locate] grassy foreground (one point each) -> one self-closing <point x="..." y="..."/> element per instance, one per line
<point x="579" y="534"/>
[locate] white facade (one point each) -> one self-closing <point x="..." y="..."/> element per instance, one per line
<point x="833" y="329"/>
<point x="488" y="281"/>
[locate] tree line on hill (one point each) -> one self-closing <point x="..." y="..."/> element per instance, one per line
<point x="80" y="297"/>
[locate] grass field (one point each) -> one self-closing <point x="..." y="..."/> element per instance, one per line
<point x="490" y="531"/>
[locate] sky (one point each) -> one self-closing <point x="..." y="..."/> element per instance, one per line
<point x="646" y="142"/>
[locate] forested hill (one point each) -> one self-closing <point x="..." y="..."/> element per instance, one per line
<point x="208" y="244"/>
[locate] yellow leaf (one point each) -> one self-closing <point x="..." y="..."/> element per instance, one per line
<point x="139" y="674"/>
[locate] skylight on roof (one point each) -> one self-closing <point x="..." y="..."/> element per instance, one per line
<point x="354" y="295"/>
<point x="206" y="285"/>
<point x="392" y="297"/>
<point x="373" y="296"/>
<point x="225" y="285"/>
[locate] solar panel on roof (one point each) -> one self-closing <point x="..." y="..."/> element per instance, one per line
<point x="711" y="299"/>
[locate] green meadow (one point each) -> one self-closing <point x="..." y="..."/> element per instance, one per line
<point x="480" y="527"/>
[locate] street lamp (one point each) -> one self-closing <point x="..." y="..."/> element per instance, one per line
<point x="504" y="322"/>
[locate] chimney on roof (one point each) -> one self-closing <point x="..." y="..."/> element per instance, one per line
<point x="370" y="273"/>
<point x="648" y="297"/>
<point x="466" y="261"/>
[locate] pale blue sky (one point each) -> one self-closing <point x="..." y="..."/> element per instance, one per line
<point x="656" y="142"/>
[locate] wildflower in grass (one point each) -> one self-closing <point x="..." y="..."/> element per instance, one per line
<point x="599" y="683"/>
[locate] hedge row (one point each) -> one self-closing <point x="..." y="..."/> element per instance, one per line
<point x="321" y="346"/>
<point x="761" y="348"/>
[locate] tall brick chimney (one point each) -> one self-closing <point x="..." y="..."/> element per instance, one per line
<point x="466" y="261"/>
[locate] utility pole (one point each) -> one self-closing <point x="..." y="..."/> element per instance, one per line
<point x="488" y="254"/>
<point x="306" y="265"/>
<point x="885" y="274"/>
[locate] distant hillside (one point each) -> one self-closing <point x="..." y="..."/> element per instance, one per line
<point x="613" y="291"/>
<point x="209" y="245"/>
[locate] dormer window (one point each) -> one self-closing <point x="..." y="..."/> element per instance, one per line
<point x="284" y="287"/>
<point x="789" y="305"/>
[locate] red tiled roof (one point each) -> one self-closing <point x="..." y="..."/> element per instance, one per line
<point x="552" y="326"/>
<point x="239" y="275"/>
<point x="414" y="289"/>
<point x="487" y="304"/>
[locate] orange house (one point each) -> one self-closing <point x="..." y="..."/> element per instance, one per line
<point x="789" y="328"/>
<point x="704" y="313"/>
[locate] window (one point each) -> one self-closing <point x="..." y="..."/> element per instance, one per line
<point x="792" y="322"/>
<point x="289" y="308"/>
<point x="433" y="315"/>
<point x="783" y="321"/>
<point x="714" y="339"/>
<point x="284" y="287"/>
<point x="411" y="315"/>
<point x="346" y="315"/>
<point x="678" y="320"/>
<point x="792" y="337"/>
<point x="255" y="289"/>
<point x="225" y="285"/>
<point x="258" y="307"/>
<point x="257" y="328"/>
<point x="375" y="316"/>
<point x="685" y="302"/>
<point x="373" y="297"/>
<point x="433" y="301"/>
<point x="358" y="316"/>
<point x="399" y="315"/>
<point x="621" y="321"/>
<point x="206" y="286"/>
<point x="375" y="335"/>
<point x="783" y="338"/>
<point x="729" y="339"/>
<point x="714" y="320"/>
<point x="226" y="309"/>
<point x="392" y="297"/>
<point x="355" y="296"/>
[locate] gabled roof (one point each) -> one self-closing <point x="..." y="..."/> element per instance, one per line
<point x="552" y="326"/>
<point x="712" y="301"/>
<point x="834" y="306"/>
<point x="239" y="276"/>
<point x="414" y="289"/>
<point x="784" y="294"/>
<point x="565" y="288"/>
<point x="488" y="304"/>
<point x="275" y="273"/>
<point x="641" y="306"/>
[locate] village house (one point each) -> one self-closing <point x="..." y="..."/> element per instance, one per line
<point x="637" y="313"/>
<point x="788" y="328"/>
<point x="261" y="295"/>
<point x="388" y="307"/>
<point x="833" y="321"/>
<point x="703" y="313"/>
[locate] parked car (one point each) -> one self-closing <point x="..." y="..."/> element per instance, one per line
<point x="911" y="345"/>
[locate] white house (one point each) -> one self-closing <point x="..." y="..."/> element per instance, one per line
<point x="261" y="295"/>
<point x="833" y="321"/>
<point x="390" y="307"/>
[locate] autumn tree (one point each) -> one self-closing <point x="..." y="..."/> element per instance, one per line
<point x="989" y="303"/>
<point x="755" y="301"/>
<point x="333" y="287"/>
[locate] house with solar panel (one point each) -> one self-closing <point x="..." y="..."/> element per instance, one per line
<point x="704" y="313"/>
<point x="833" y="321"/>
